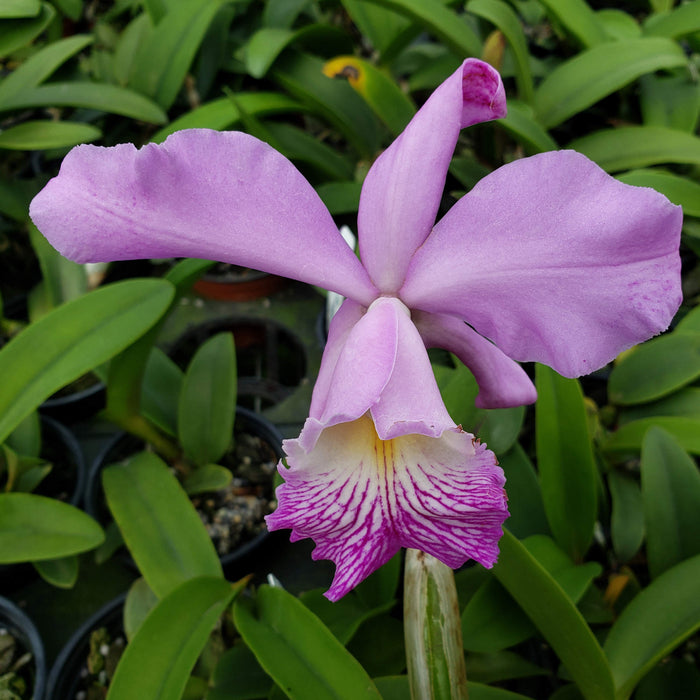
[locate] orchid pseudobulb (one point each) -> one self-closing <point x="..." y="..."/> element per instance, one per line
<point x="547" y="259"/>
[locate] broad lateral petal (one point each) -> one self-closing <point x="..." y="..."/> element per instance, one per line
<point x="364" y="365"/>
<point x="410" y="402"/>
<point x="222" y="196"/>
<point x="340" y="327"/>
<point x="402" y="191"/>
<point x="361" y="499"/>
<point x="502" y="382"/>
<point x="554" y="261"/>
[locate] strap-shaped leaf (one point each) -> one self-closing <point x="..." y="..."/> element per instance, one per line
<point x="588" y="77"/>
<point x="629" y="437"/>
<point x="680" y="190"/>
<point x="578" y="19"/>
<point x="656" y="621"/>
<point x="685" y="19"/>
<point x="298" y="651"/>
<point x="160" y="526"/>
<point x="160" y="657"/>
<point x="71" y="340"/>
<point x="17" y="33"/>
<point x="557" y="618"/>
<point x="35" y="527"/>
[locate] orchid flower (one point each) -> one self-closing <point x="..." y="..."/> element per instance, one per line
<point x="547" y="259"/>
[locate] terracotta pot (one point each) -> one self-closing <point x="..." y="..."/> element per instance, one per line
<point x="229" y="283"/>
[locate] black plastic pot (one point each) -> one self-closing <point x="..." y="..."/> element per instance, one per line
<point x="24" y="631"/>
<point x="64" y="679"/>
<point x="122" y="445"/>
<point x="75" y="406"/>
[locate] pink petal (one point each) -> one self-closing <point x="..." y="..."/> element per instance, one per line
<point x="554" y="261"/>
<point x="216" y="195"/>
<point x="361" y="498"/>
<point x="402" y="191"/>
<point x="383" y="368"/>
<point x="502" y="382"/>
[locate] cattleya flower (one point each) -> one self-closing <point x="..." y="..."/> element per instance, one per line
<point x="547" y="259"/>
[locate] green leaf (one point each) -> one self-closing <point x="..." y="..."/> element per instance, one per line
<point x="520" y="122"/>
<point x="618" y="24"/>
<point x="25" y="439"/>
<point x="680" y="190"/>
<point x="160" y="526"/>
<point x="527" y="516"/>
<point x="17" y="33"/>
<point x="384" y="97"/>
<point x="297" y="650"/>
<point x="628" y="147"/>
<point x="161" y="62"/>
<point x="71" y="340"/>
<point x="500" y="666"/>
<point x="136" y="34"/>
<point x="647" y="374"/>
<point x="162" y="382"/>
<point x="684" y="20"/>
<point x="302" y="76"/>
<point x="672" y="678"/>
<point x="20" y="8"/>
<point x="100" y="96"/>
<point x="340" y="197"/>
<point x="556" y="616"/>
<point x="593" y="74"/>
<point x="671" y="494"/>
<point x="440" y="21"/>
<point x="629" y="436"/>
<point x="504" y="18"/>
<point x="42" y="135"/>
<point x="478" y="691"/>
<point x="71" y="8"/>
<point x="208" y="477"/>
<point x="207" y="405"/>
<point x="62" y="573"/>
<point x="565" y="461"/>
<point x="382" y="27"/>
<point x="159" y="659"/>
<point x="627" y="521"/>
<point x="654" y="623"/>
<point x="33" y="528"/>
<point x="685" y="403"/>
<point x="223" y="113"/>
<point x="41" y="65"/>
<point x="670" y="100"/>
<point x="140" y="600"/>
<point x="238" y="676"/>
<point x="578" y="19"/>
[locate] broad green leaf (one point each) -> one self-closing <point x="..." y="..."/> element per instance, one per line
<point x="282" y="13"/>
<point x="433" y="633"/>
<point x="381" y="587"/>
<point x="479" y="691"/>
<point x="670" y="494"/>
<point x="267" y="44"/>
<point x="440" y="21"/>
<point x="207" y="404"/>
<point x="71" y="8"/>
<point x="680" y="190"/>
<point x="648" y="373"/>
<point x="17" y="33"/>
<point x="162" y="381"/>
<point x="684" y="20"/>
<point x="684" y="403"/>
<point x="565" y="461"/>
<point x="302" y="76"/>
<point x="628" y="147"/>
<point x="379" y="645"/>
<point x="140" y="600"/>
<point x="71" y="340"/>
<point x="492" y="621"/>
<point x="297" y="650"/>
<point x="690" y="323"/>
<point x="19" y="8"/>
<point x="556" y="616"/>
<point x="384" y="97"/>
<point x="136" y="33"/>
<point x="381" y="26"/>
<point x="628" y="438"/>
<point x="62" y="573"/>
<point x="672" y="678"/>
<point x="160" y="526"/>
<point x="397" y="688"/>
<point x="37" y="135"/>
<point x="618" y="24"/>
<point x="527" y="516"/>
<point x="500" y="666"/>
<point x="238" y="676"/>
<point x="34" y="528"/>
<point x="520" y="122"/>
<point x="504" y="18"/>
<point x="586" y="78"/>
<point x="41" y="65"/>
<point x="671" y="101"/>
<point x="627" y="521"/>
<point x="654" y="623"/>
<point x="340" y="197"/>
<point x="99" y="96"/>
<point x="223" y="113"/>
<point x="161" y="62"/>
<point x="25" y="439"/>
<point x="159" y="659"/>
<point x="208" y="477"/>
<point x="578" y="19"/>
